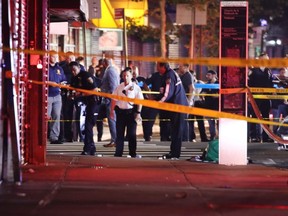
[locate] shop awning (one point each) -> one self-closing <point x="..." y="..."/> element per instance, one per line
<point x="107" y="20"/>
<point x="132" y="9"/>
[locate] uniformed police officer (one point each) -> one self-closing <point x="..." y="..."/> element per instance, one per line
<point x="84" y="80"/>
<point x="261" y="77"/>
<point x="154" y="83"/>
<point x="56" y="75"/>
<point x="127" y="114"/>
<point x="172" y="91"/>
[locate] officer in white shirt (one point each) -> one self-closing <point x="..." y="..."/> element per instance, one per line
<point x="127" y="113"/>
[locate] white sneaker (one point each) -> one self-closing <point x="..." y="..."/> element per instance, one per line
<point x="137" y="156"/>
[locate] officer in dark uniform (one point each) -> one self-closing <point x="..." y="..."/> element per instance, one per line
<point x="66" y="133"/>
<point x="172" y="91"/>
<point x="211" y="102"/>
<point x="145" y="112"/>
<point x="261" y="77"/>
<point x="154" y="84"/>
<point x="84" y="80"/>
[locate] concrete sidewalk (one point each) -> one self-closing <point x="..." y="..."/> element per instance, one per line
<point x="87" y="185"/>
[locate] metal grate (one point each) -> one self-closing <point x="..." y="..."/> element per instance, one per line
<point x="22" y="70"/>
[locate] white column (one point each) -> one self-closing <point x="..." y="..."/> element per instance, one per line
<point x="232" y="142"/>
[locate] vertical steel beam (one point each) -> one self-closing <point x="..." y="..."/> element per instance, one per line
<point x="10" y="130"/>
<point x="36" y="130"/>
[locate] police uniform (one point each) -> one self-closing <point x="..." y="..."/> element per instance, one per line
<point x="56" y="74"/>
<point x="125" y="115"/>
<point x="145" y="112"/>
<point x="66" y="133"/>
<point x="85" y="80"/>
<point x="211" y="102"/>
<point x="154" y="83"/>
<point x="175" y="95"/>
<point x="261" y="77"/>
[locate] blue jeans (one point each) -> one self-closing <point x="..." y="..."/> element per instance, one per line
<point x="111" y="122"/>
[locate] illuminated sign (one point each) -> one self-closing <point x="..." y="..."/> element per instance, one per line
<point x="111" y="39"/>
<point x="233" y="44"/>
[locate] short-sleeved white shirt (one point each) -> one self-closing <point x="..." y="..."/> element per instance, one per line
<point x="132" y="90"/>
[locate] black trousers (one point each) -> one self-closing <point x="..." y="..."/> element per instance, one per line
<point x="264" y="108"/>
<point x="177" y="123"/>
<point x="99" y="123"/>
<point x="125" y="119"/>
<point x="67" y="109"/>
<point x="165" y="125"/>
<point x="149" y="115"/>
<point x="201" y="127"/>
<point x="92" y="109"/>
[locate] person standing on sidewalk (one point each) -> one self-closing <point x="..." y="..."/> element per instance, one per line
<point x="261" y="77"/>
<point x="154" y="83"/>
<point x="172" y="91"/>
<point x="198" y="102"/>
<point x="127" y="113"/>
<point x="188" y="84"/>
<point x="56" y="75"/>
<point x="110" y="81"/>
<point x="211" y="102"/>
<point x="84" y="80"/>
<point x="67" y="132"/>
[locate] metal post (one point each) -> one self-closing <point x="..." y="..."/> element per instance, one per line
<point x="125" y="40"/>
<point x="192" y="37"/>
<point x="84" y="43"/>
<point x="11" y="142"/>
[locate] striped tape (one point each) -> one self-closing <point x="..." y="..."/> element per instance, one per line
<point x="165" y="106"/>
<point x="234" y="62"/>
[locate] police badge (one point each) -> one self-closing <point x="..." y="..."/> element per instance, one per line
<point x="90" y="80"/>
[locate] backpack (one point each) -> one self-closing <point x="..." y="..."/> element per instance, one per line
<point x="211" y="153"/>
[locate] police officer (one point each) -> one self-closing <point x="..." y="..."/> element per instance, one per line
<point x="261" y="77"/>
<point x="172" y="91"/>
<point x="211" y="102"/>
<point x="84" y="80"/>
<point x="67" y="133"/>
<point x="127" y="114"/>
<point x="146" y="111"/>
<point x="154" y="84"/>
<point x="56" y="75"/>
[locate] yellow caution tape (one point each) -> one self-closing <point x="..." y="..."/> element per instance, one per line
<point x="233" y="62"/>
<point x="268" y="90"/>
<point x="271" y="97"/>
<point x="265" y="126"/>
<point x="165" y="106"/>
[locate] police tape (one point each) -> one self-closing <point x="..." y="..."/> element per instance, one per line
<point x="269" y="90"/>
<point x="235" y="91"/>
<point x="151" y="120"/>
<point x="164" y="106"/>
<point x="265" y="127"/>
<point x="271" y="97"/>
<point x="253" y="90"/>
<point x="232" y="62"/>
<point x="201" y="94"/>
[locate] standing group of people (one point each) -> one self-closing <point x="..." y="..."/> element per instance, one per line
<point x="173" y="87"/>
<point x="262" y="77"/>
<point x="194" y="99"/>
<point x="121" y="115"/>
<point x="70" y="103"/>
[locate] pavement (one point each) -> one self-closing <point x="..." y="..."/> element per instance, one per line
<point x="71" y="184"/>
